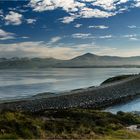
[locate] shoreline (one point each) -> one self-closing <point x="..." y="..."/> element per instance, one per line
<point x="93" y="97"/>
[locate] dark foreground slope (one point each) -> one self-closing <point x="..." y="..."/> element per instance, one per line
<point x="93" y="97"/>
<point x="68" y="124"/>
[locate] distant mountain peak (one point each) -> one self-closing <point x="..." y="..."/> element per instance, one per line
<point x="89" y="54"/>
<point x="85" y="56"/>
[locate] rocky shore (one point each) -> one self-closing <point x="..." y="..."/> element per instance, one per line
<point x="92" y="97"/>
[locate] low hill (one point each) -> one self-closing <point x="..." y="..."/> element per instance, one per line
<point x="86" y="60"/>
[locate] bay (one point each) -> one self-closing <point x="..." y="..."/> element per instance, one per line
<point x="23" y="83"/>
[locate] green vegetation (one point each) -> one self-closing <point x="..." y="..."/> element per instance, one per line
<point x="66" y="124"/>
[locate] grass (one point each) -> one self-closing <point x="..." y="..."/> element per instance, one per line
<point x="68" y="124"/>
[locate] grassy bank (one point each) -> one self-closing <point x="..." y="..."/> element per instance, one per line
<point x="66" y="124"/>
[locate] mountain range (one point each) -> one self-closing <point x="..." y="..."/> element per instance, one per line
<point x="82" y="61"/>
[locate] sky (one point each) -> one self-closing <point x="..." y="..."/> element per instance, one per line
<point x="64" y="29"/>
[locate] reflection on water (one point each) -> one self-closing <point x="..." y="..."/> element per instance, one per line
<point x="17" y="83"/>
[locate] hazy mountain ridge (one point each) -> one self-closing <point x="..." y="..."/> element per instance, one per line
<point x="86" y="60"/>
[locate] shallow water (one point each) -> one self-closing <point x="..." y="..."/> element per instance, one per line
<point x="22" y="83"/>
<point x="126" y="107"/>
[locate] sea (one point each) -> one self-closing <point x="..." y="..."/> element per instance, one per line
<point x="24" y="83"/>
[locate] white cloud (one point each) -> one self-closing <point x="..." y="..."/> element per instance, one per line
<point x="6" y="35"/>
<point x="122" y="1"/>
<point x="123" y="52"/>
<point x="25" y="37"/>
<point x="99" y="27"/>
<point x="67" y="19"/>
<point x="78" y="25"/>
<point x="43" y="5"/>
<point x="130" y="36"/>
<point x="13" y="18"/>
<point x="137" y="4"/>
<point x="133" y="39"/>
<point x="55" y="39"/>
<point x="80" y="8"/>
<point x="110" y="5"/>
<point x="121" y="10"/>
<point x="106" y="4"/>
<point x="89" y="13"/>
<point x="88" y="0"/>
<point x="23" y="10"/>
<point x="106" y="37"/>
<point x="133" y="26"/>
<point x="82" y="35"/>
<point x="90" y="36"/>
<point x="30" y="21"/>
<point x="1" y="13"/>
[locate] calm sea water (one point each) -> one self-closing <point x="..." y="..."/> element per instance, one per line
<point x="126" y="107"/>
<point x="19" y="83"/>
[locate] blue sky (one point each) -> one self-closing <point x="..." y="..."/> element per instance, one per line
<point x="66" y="28"/>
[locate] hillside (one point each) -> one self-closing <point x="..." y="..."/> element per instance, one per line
<point x="68" y="124"/>
<point x="86" y="60"/>
<point x="92" y="60"/>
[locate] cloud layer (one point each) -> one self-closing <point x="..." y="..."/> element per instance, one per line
<point x="84" y="8"/>
<point x="41" y="49"/>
